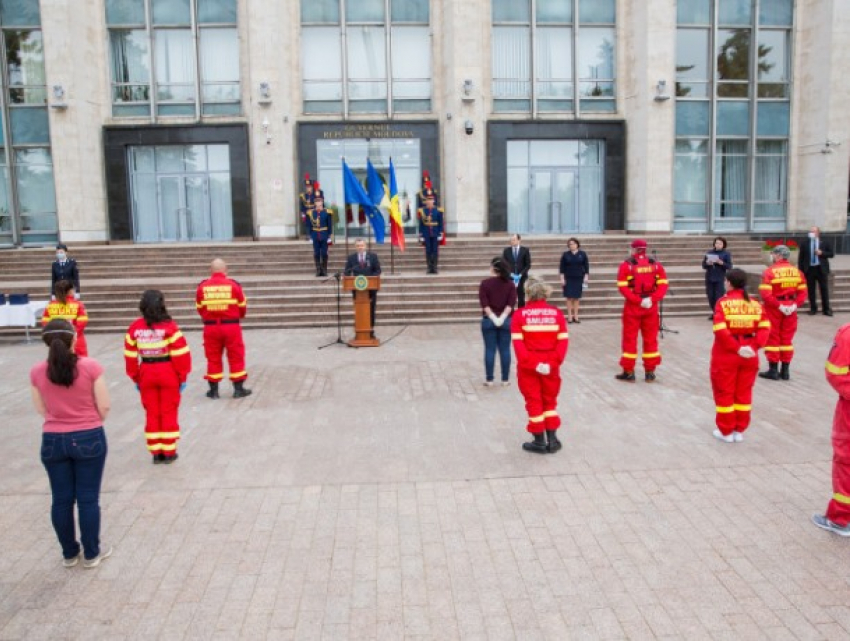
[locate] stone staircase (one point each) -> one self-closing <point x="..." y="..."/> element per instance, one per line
<point x="277" y="277"/>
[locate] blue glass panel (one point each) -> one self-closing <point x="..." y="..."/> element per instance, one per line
<point x="131" y="111"/>
<point x="511" y="11"/>
<point x="365" y="11"/>
<point x="602" y="106"/>
<point x="409" y="11"/>
<point x="175" y="12"/>
<point x="691" y="118"/>
<point x="19" y="13"/>
<point x="29" y="126"/>
<point x="693" y="12"/>
<point x="735" y="12"/>
<point x="217" y="11"/>
<point x="322" y="11"/>
<point x="733" y="118"/>
<point x="776" y="12"/>
<point x="2" y="141"/>
<point x="774" y="118"/>
<point x="597" y="11"/>
<point x="125" y="12"/>
<point x="554" y="11"/>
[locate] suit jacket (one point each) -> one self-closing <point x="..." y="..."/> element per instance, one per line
<point x="372" y="268"/>
<point x="523" y="262"/>
<point x="805" y="258"/>
<point x="68" y="272"/>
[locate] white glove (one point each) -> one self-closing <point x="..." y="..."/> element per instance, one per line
<point x="745" y="351"/>
<point x="790" y="309"/>
<point x="493" y="318"/>
<point x="646" y="303"/>
<point x="543" y="368"/>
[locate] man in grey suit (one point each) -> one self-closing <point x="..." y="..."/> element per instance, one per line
<point x="815" y="253"/>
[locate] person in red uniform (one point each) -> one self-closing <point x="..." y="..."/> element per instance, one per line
<point x="837" y="517"/>
<point x="222" y="304"/>
<point x="783" y="289"/>
<point x="643" y="283"/>
<point x="68" y="308"/>
<point x="741" y="329"/>
<point x="158" y="361"/>
<point x="540" y="339"/>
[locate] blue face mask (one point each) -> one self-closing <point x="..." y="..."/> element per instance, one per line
<point x="60" y="256"/>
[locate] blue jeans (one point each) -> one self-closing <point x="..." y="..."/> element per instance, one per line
<point x="74" y="462"/>
<point x="497" y="338"/>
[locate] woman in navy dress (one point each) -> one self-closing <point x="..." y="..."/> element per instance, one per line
<point x="575" y="273"/>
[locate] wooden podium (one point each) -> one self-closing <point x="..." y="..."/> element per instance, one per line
<point x="361" y="286"/>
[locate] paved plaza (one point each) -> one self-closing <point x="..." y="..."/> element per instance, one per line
<point x="383" y="494"/>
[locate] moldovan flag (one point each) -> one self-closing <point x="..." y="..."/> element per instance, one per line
<point x="396" y="225"/>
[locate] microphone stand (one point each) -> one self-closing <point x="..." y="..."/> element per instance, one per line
<point x="338" y="341"/>
<point x="661" y="326"/>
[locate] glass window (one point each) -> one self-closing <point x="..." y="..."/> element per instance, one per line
<point x="733" y="118"/>
<point x="554" y="62"/>
<point x="219" y="65"/>
<point x="691" y="172"/>
<point x="409" y="10"/>
<point x="734" y="12"/>
<point x="693" y="12"/>
<point x="20" y="13"/>
<point x="511" y="62"/>
<point x="125" y="12"/>
<point x="411" y="58"/>
<point x="774" y="119"/>
<point x="217" y="11"/>
<point x="171" y="12"/>
<point x="175" y="65"/>
<point x="321" y="11"/>
<point x="364" y="11"/>
<point x="29" y="125"/>
<point x="692" y="66"/>
<point x="554" y="11"/>
<point x="773" y="56"/>
<point x="776" y="12"/>
<point x="692" y="118"/>
<point x="596" y="62"/>
<point x="219" y="157"/>
<point x="511" y="11"/>
<point x="367" y="68"/>
<point x="25" y="67"/>
<point x="597" y="11"/>
<point x="321" y="58"/>
<point x="130" y="65"/>
<point x="34" y="173"/>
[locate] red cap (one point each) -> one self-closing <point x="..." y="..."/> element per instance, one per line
<point x="639" y="243"/>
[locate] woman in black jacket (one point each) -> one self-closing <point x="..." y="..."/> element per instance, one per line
<point x="716" y="263"/>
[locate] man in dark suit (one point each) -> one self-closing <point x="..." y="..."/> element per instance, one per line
<point x="813" y="261"/>
<point x="364" y="263"/>
<point x="64" y="268"/>
<point x="518" y="259"/>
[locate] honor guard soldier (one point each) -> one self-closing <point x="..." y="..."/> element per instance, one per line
<point x="420" y="195"/>
<point x="643" y="283"/>
<point x="222" y="304"/>
<point x="321" y="226"/>
<point x="783" y="289"/>
<point x="67" y="307"/>
<point x="431" y="230"/>
<point x="306" y="202"/>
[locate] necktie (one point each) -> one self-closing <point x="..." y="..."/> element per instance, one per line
<point x="516" y="253"/>
<point x="362" y="260"/>
<point x="814" y="252"/>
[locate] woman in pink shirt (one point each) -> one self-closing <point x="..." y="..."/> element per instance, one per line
<point x="70" y="393"/>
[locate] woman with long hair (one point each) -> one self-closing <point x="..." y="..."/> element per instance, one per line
<point x="498" y="298"/>
<point x="70" y="393"/>
<point x="716" y="262"/>
<point x="741" y="329"/>
<point x="157" y="359"/>
<point x="575" y="273"/>
<point x="67" y="307"/>
<point x="540" y="338"/>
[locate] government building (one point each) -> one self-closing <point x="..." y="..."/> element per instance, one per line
<point x="161" y="121"/>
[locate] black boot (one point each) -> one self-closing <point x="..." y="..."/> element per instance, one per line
<point x="436" y="263"/>
<point x="785" y="372"/>
<point x="538" y="445"/>
<point x="324" y="266"/>
<point x="626" y="376"/>
<point x="772" y="372"/>
<point x="430" y="262"/>
<point x="554" y="443"/>
<point x="318" y="267"/>
<point x="239" y="390"/>
<point x="213" y="391"/>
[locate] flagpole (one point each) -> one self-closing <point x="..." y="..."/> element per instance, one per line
<point x="392" y="244"/>
<point x="344" y="208"/>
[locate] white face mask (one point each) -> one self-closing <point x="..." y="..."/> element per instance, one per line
<point x="811" y="234"/>
<point x="60" y="256"/>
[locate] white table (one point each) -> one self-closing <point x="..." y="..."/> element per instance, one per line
<point x="25" y="316"/>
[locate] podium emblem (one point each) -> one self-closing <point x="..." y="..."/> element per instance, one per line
<point x="361" y="283"/>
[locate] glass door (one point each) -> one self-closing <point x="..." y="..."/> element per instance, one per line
<point x="184" y="208"/>
<point x="553" y="204"/>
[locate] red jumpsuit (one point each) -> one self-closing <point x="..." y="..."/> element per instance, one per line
<point x="539" y="335"/>
<point x="221" y="303"/>
<point x="838" y="375"/>
<point x="74" y="312"/>
<point x="737" y="322"/>
<point x="638" y="278"/>
<point x="165" y="364"/>
<point x="782" y="284"/>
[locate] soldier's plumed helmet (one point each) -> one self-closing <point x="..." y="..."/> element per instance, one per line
<point x="428" y="193"/>
<point x="319" y="194"/>
<point x="783" y="251"/>
<point x="536" y="289"/>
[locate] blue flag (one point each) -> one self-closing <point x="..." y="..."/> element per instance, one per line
<point x="354" y="193"/>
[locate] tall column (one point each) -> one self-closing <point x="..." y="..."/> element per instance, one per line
<point x="647" y="53"/>
<point x="75" y="57"/>
<point x="463" y="53"/>
<point x="819" y="172"/>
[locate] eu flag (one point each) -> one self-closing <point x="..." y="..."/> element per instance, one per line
<point x="354" y="193"/>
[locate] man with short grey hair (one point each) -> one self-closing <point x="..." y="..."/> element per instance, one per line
<point x="815" y="253"/>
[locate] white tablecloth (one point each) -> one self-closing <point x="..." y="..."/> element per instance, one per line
<point x="27" y="315"/>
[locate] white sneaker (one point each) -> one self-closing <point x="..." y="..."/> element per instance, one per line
<point x="93" y="563"/>
<point x="488" y="383"/>
<point x="738" y="436"/>
<point x="506" y="383"/>
<point x="719" y="436"/>
<point x="69" y="563"/>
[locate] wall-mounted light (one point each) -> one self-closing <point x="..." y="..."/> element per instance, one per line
<point x="265" y="94"/>
<point x="265" y="125"/>
<point x="468" y="88"/>
<point x="59" y="98"/>
<point x="661" y="91"/>
<point x="469" y="127"/>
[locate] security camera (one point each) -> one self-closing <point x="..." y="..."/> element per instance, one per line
<point x="469" y="126"/>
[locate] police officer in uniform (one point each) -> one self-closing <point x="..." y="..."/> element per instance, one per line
<point x="320" y="222"/>
<point x="431" y="230"/>
<point x="306" y="203"/>
<point x="64" y="268"/>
